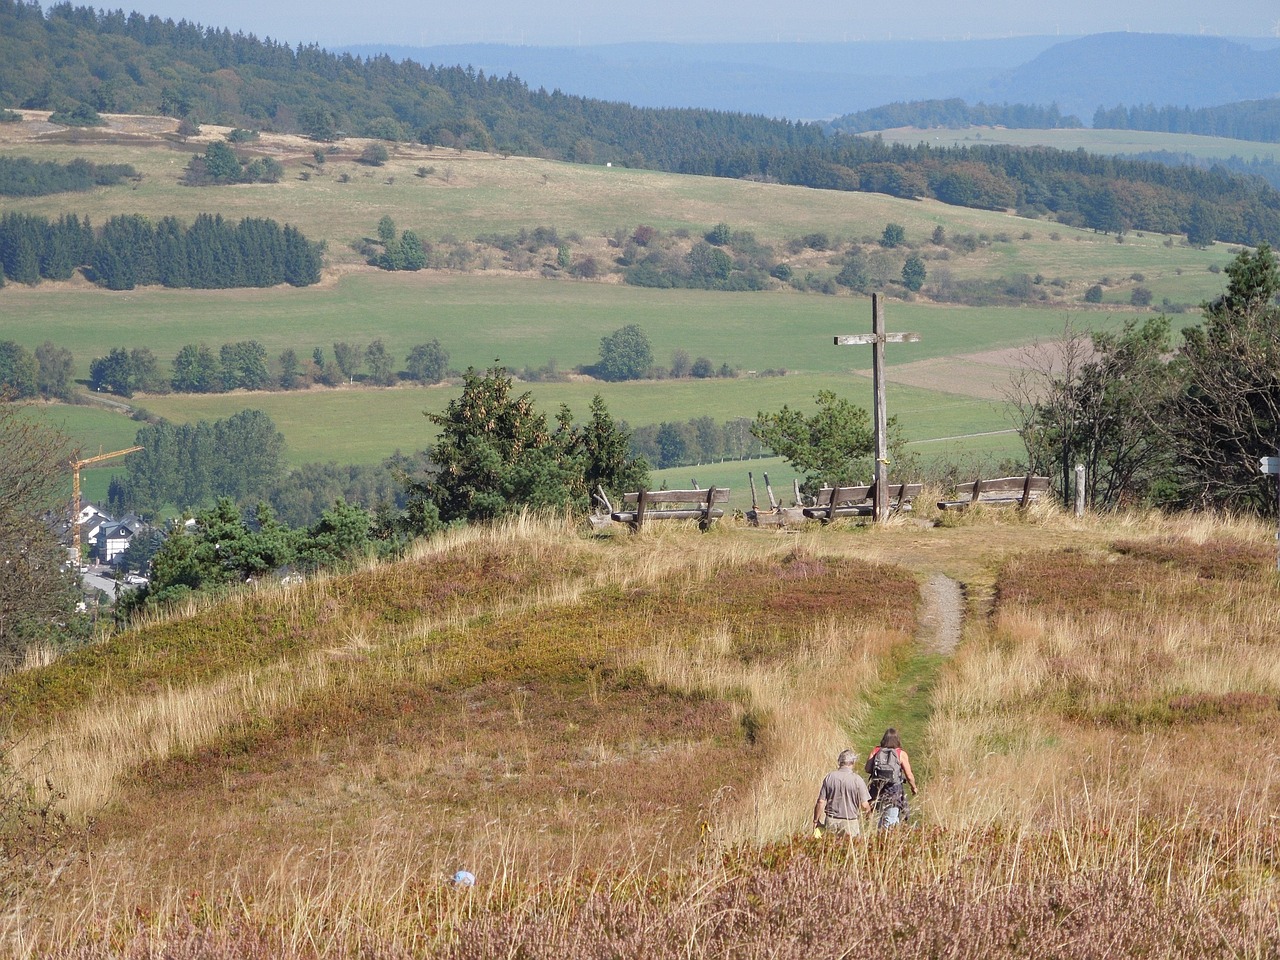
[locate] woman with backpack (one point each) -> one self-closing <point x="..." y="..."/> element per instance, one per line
<point x="888" y="770"/>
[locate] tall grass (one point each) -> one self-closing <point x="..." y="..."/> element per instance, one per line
<point x="621" y="737"/>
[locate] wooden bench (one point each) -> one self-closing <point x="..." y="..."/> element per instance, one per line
<point x="831" y="503"/>
<point x="644" y="505"/>
<point x="1001" y="491"/>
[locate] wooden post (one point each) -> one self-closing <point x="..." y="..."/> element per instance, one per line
<point x="773" y="503"/>
<point x="752" y="480"/>
<point x="641" y="500"/>
<point x="879" y="412"/>
<point x="1079" y="489"/>
<point x="1026" y="492"/>
<point x="880" y="506"/>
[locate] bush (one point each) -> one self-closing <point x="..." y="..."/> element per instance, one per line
<point x="1093" y="294"/>
<point x="1140" y="297"/>
<point x="375" y="155"/>
<point x="81" y="115"/>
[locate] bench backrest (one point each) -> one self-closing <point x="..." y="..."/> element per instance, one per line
<point x="837" y="495"/>
<point x="711" y="494"/>
<point x="1005" y="487"/>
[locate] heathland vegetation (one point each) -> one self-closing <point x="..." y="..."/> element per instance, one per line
<point x="621" y="737"/>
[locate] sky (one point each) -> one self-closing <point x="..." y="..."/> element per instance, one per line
<point x="333" y="23"/>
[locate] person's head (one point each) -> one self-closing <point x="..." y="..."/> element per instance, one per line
<point x="847" y="758"/>
<point x="891" y="739"/>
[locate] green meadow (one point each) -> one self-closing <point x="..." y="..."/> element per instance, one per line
<point x="945" y="389"/>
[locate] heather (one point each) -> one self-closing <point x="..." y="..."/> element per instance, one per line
<point x="621" y="737"/>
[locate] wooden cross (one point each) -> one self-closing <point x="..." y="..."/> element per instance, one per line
<point x="878" y="338"/>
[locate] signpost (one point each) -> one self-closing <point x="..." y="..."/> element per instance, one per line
<point x="1271" y="465"/>
<point x="878" y="338"/>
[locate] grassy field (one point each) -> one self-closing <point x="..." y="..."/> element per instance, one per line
<point x="621" y="737"/>
<point x="1091" y="141"/>
<point x="945" y="386"/>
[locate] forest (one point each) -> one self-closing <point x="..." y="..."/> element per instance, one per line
<point x="954" y="113"/>
<point x="130" y="251"/>
<point x="1247" y="120"/>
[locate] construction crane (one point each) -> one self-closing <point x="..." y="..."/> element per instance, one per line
<point x="75" y="491"/>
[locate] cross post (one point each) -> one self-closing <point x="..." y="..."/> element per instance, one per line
<point x="878" y="338"/>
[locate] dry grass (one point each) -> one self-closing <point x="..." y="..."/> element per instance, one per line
<point x="621" y="736"/>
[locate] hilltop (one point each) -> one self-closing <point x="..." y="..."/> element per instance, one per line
<point x="621" y="739"/>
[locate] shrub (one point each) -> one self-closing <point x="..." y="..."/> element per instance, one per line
<point x="375" y="155"/>
<point x="1093" y="294"/>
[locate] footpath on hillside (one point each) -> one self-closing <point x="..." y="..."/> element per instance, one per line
<point x="904" y="700"/>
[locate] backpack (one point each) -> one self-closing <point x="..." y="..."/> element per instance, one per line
<point x="885" y="768"/>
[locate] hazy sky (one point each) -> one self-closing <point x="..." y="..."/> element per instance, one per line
<point x="570" y="22"/>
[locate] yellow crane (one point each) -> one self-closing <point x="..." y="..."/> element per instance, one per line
<point x="75" y="490"/>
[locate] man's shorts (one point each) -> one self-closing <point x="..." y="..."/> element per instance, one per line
<point x="851" y="828"/>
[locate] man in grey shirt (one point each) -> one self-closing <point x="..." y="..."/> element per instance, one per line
<point x="842" y="798"/>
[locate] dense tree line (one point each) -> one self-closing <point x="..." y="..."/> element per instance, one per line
<point x="47" y="373"/>
<point x="145" y="64"/>
<point x="1105" y="193"/>
<point x="242" y="365"/>
<point x="186" y="466"/>
<point x="130" y="251"/>
<point x="697" y="440"/>
<point x="24" y="177"/>
<point x="1247" y="120"/>
<point x="954" y="114"/>
<point x="114" y="61"/>
<point x="1264" y="167"/>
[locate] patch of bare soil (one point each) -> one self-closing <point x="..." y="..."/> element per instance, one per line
<point x="942" y="602"/>
<point x="963" y="375"/>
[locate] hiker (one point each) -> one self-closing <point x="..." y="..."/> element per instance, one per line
<point x="842" y="799"/>
<point x="888" y="768"/>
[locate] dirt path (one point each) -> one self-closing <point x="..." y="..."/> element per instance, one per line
<point x="904" y="700"/>
<point x="942" y="603"/>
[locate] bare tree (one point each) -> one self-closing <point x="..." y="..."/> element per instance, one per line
<point x="37" y="592"/>
<point x="1101" y="400"/>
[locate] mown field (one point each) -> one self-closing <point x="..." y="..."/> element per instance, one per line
<point x="621" y="737"/>
<point x="1089" y="140"/>
<point x="946" y="386"/>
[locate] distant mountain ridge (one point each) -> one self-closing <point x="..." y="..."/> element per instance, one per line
<point x="1113" y="68"/>
<point x="819" y="81"/>
<point x="798" y="81"/>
